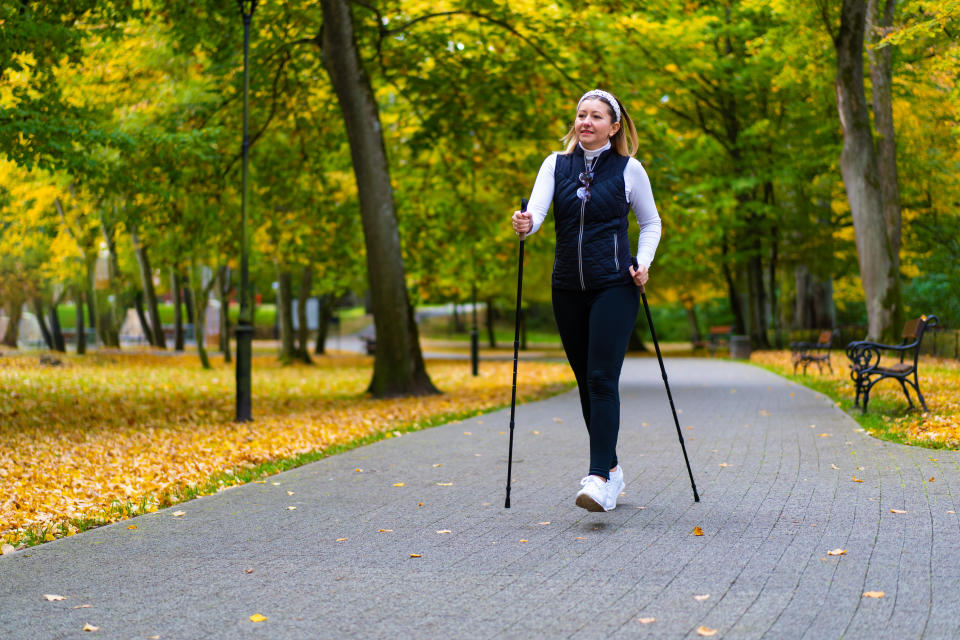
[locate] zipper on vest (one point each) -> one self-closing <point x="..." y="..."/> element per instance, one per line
<point x="583" y="205"/>
<point x="616" y="258"/>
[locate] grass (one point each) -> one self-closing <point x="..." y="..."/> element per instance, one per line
<point x="889" y="416"/>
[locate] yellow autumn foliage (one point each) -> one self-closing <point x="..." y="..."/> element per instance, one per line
<point x="100" y="429"/>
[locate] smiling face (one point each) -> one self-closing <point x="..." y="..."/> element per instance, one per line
<point x="594" y="124"/>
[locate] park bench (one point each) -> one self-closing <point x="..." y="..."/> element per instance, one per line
<point x="718" y="336"/>
<point x="867" y="367"/>
<point x="806" y="352"/>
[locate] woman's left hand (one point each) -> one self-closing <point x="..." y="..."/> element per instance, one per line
<point x="640" y="276"/>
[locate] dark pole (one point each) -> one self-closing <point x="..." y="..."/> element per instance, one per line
<point x="244" y="330"/>
<point x="516" y="352"/>
<point x="663" y="372"/>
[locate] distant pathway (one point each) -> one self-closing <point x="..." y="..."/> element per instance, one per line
<point x="774" y="463"/>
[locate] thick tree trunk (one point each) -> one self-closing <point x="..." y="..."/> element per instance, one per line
<point x="303" y="331"/>
<point x="398" y="366"/>
<point x="188" y="299"/>
<point x="285" y="315"/>
<point x="881" y="76"/>
<point x="78" y="300"/>
<point x="146" y="278"/>
<point x="200" y="294"/>
<point x="42" y="321"/>
<point x="12" y="333"/>
<point x="858" y="164"/>
<point x="56" y="332"/>
<point x="491" y="319"/>
<point x="757" y="296"/>
<point x="733" y="296"/>
<point x="176" y="288"/>
<point x="693" y="327"/>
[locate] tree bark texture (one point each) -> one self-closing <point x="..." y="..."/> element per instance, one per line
<point x="149" y="292"/>
<point x="858" y="164"/>
<point x="223" y="295"/>
<point x="739" y="325"/>
<point x="398" y="365"/>
<point x="42" y="321"/>
<point x="175" y="288"/>
<point x="12" y="333"/>
<point x="303" y="331"/>
<point x="325" y="313"/>
<point x="142" y="318"/>
<point x="285" y="315"/>
<point x="56" y="332"/>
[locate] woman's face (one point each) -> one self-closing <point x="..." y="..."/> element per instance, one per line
<point x="594" y="124"/>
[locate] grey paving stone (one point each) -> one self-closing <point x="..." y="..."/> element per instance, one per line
<point x="773" y="461"/>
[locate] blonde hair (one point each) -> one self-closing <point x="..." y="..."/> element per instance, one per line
<point x="625" y="141"/>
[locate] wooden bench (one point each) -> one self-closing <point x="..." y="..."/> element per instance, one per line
<point x="718" y="336"/>
<point x="867" y="368"/>
<point x="806" y="352"/>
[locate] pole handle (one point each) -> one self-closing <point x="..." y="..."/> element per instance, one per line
<point x="523" y="209"/>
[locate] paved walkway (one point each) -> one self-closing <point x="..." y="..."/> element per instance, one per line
<point x="774" y="463"/>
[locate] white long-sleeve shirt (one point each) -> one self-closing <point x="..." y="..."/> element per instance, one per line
<point x="638" y="192"/>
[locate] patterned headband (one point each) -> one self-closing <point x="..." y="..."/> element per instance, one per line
<point x="606" y="97"/>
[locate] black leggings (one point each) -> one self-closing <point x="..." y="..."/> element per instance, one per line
<point x="595" y="328"/>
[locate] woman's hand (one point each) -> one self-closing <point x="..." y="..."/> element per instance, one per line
<point x="522" y="223"/>
<point x="640" y="276"/>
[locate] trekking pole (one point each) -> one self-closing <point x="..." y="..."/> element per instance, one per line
<point x="516" y="353"/>
<point x="663" y="371"/>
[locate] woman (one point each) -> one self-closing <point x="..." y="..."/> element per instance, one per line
<point x="593" y="185"/>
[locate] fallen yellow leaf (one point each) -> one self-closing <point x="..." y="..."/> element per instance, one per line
<point x="289" y="493"/>
<point x="825" y="435"/>
<point x="646" y="620"/>
<point x="467" y="433"/>
<point x="49" y="537"/>
<point x="444" y="484"/>
<point x="545" y="522"/>
<point x="133" y="526"/>
<point x="523" y="540"/>
<point x="558" y="420"/>
<point x="82" y="606"/>
<point x="535" y="432"/>
<point x="723" y="464"/>
<point x="835" y="467"/>
<point x="177" y="514"/>
<point x="697" y="531"/>
<point x="358" y="470"/>
<point x="579" y="538"/>
<point x="399" y="484"/>
<point x="257" y="617"/>
<point x="897" y="511"/>
<point x="837" y="552"/>
<point x="90" y="627"/>
<point x="415" y="555"/>
<point x="873" y="594"/>
<point x="291" y="508"/>
<point x="341" y="539"/>
<point x="931" y="479"/>
<point x="419" y="504"/>
<point x="702" y="598"/>
<point x="444" y="531"/>
<point x="53" y="597"/>
<point x="856" y="479"/>
<point x="385" y="530"/>
<point x="706" y="631"/>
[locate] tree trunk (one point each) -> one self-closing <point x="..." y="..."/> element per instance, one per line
<point x="824" y="310"/>
<point x="303" y="331"/>
<point x="285" y="315"/>
<point x="223" y="295"/>
<point x="693" y="327"/>
<point x="78" y="300"/>
<point x="146" y="278"/>
<point x="491" y="319"/>
<point x="776" y="316"/>
<point x="188" y="299"/>
<point x="59" y="344"/>
<point x="42" y="321"/>
<point x="323" y="326"/>
<point x="757" y="296"/>
<point x="200" y="294"/>
<point x="14" y="313"/>
<point x="176" y="288"/>
<point x="881" y="76"/>
<point x="739" y="326"/>
<point x="858" y="164"/>
<point x="398" y="366"/>
<point x="142" y="318"/>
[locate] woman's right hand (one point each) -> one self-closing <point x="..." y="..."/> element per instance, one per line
<point x="522" y="223"/>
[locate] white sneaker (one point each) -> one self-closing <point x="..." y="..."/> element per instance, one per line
<point x="594" y="495"/>
<point x="614" y="486"/>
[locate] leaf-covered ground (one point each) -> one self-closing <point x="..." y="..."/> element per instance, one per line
<point x="888" y="415"/>
<point x="98" y="438"/>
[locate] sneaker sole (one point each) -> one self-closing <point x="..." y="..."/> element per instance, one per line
<point x="586" y="502"/>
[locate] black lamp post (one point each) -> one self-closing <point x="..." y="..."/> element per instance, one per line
<point x="244" y="330"/>
<point x="475" y="336"/>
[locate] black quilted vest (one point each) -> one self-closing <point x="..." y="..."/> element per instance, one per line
<point x="593" y="249"/>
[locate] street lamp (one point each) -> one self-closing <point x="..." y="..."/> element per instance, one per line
<point x="244" y="330"/>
